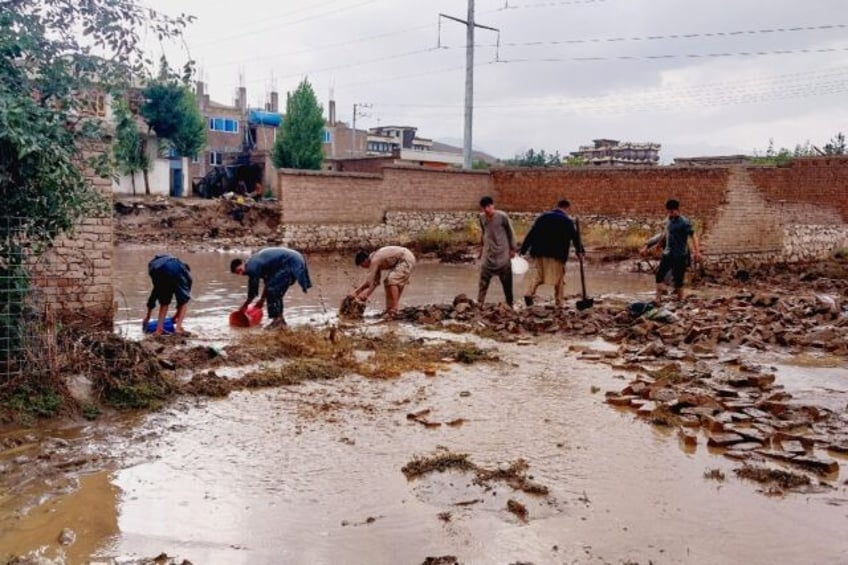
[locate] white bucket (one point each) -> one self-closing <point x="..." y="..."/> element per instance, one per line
<point x="519" y="265"/>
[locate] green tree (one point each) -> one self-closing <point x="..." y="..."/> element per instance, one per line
<point x="130" y="154"/>
<point x="836" y="146"/>
<point x="299" y="143"/>
<point x="59" y="60"/>
<point x="533" y="159"/>
<point x="170" y="110"/>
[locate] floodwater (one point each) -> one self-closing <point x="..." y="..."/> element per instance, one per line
<point x="312" y="474"/>
<point x="217" y="292"/>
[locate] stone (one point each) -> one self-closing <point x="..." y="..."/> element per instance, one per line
<point x="792" y="446"/>
<point x="688" y="437"/>
<point x="824" y="465"/>
<point x="724" y="439"/>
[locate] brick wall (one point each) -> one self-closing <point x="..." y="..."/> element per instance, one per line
<point x="808" y="187"/>
<point x="773" y="213"/>
<point x="73" y="281"/>
<point x="631" y="192"/>
<point x="329" y="197"/>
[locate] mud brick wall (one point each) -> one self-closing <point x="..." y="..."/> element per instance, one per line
<point x="73" y="281"/>
<point x="760" y="214"/>
<point x="807" y="186"/>
<point x="615" y="192"/>
<point x="332" y="210"/>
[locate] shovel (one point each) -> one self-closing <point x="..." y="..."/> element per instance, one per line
<point x="585" y="302"/>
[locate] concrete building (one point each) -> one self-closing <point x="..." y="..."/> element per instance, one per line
<point x="612" y="153"/>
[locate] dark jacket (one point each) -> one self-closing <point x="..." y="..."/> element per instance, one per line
<point x="270" y="262"/>
<point x="551" y="236"/>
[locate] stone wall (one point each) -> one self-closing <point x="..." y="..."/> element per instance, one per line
<point x="73" y="281"/>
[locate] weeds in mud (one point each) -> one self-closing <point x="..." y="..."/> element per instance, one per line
<point x="440" y="462"/>
<point x="785" y="480"/>
<point x="514" y="475"/>
<point x="296" y="372"/>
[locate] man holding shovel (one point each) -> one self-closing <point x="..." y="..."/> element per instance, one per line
<point x="548" y="242"/>
<point x="675" y="256"/>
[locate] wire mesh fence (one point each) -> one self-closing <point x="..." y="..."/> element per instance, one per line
<point x="24" y="330"/>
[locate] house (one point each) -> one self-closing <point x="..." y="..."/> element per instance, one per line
<point x="168" y="173"/>
<point x="613" y="153"/>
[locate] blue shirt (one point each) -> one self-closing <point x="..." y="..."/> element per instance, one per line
<point x="678" y="230"/>
<point x="271" y="261"/>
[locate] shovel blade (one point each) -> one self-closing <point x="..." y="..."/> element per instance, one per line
<point x="585" y="303"/>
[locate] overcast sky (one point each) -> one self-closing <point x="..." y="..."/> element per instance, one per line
<point x="701" y="77"/>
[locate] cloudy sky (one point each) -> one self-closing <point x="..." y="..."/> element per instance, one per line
<point x="701" y="77"/>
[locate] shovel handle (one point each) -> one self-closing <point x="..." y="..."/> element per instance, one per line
<point x="580" y="259"/>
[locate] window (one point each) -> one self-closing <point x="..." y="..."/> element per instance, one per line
<point x="195" y="159"/>
<point x="216" y="158"/>
<point x="326" y="137"/>
<point x="225" y="125"/>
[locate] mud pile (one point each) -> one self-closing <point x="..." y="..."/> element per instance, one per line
<point x="218" y="222"/>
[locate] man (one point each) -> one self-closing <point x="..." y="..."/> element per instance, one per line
<point x="675" y="255"/>
<point x="498" y="247"/>
<point x="170" y="277"/>
<point x="398" y="262"/>
<point x="278" y="268"/>
<point x="548" y="242"/>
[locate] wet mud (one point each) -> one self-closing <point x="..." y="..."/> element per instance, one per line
<point x="461" y="434"/>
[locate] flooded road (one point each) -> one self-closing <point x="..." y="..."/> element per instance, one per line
<point x="217" y="292"/>
<point x="312" y="473"/>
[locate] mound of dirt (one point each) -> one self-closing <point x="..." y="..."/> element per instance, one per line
<point x="194" y="220"/>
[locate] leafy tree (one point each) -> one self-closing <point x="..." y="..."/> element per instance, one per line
<point x="533" y="159"/>
<point x="836" y="146"/>
<point x="59" y="59"/>
<point x="479" y="165"/>
<point x="170" y="110"/>
<point x="299" y="143"/>
<point x="576" y="161"/>
<point x="130" y="154"/>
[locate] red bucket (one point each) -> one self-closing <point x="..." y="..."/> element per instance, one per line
<point x="244" y="319"/>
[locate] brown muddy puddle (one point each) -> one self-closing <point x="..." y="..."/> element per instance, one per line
<point x="217" y="292"/>
<point x="314" y="473"/>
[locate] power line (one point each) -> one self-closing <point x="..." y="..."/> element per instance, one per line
<point x="596" y="59"/>
<point x="255" y="31"/>
<point x="777" y="87"/>
<point x="701" y="35"/>
<point x="324" y="47"/>
<point x="507" y="6"/>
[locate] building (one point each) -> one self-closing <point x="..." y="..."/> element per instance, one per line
<point x="712" y="161"/>
<point x="613" y="153"/>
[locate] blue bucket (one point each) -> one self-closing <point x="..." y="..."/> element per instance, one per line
<point x="167" y="327"/>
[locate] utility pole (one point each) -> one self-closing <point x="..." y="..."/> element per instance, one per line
<point x="358" y="108"/>
<point x="470" y="24"/>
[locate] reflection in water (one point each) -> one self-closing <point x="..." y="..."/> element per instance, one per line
<point x="217" y="292"/>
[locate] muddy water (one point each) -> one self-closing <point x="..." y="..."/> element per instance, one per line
<point x="217" y="292"/>
<point x="312" y="474"/>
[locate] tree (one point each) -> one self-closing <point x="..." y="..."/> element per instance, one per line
<point x="533" y="159"/>
<point x="836" y="145"/>
<point x="299" y="143"/>
<point x="59" y="59"/>
<point x="130" y="153"/>
<point x="170" y="110"/>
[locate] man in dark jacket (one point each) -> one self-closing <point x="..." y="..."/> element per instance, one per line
<point x="171" y="277"/>
<point x="278" y="268"/>
<point x="548" y="242"/>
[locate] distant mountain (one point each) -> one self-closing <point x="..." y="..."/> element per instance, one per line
<point x="475" y="155"/>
